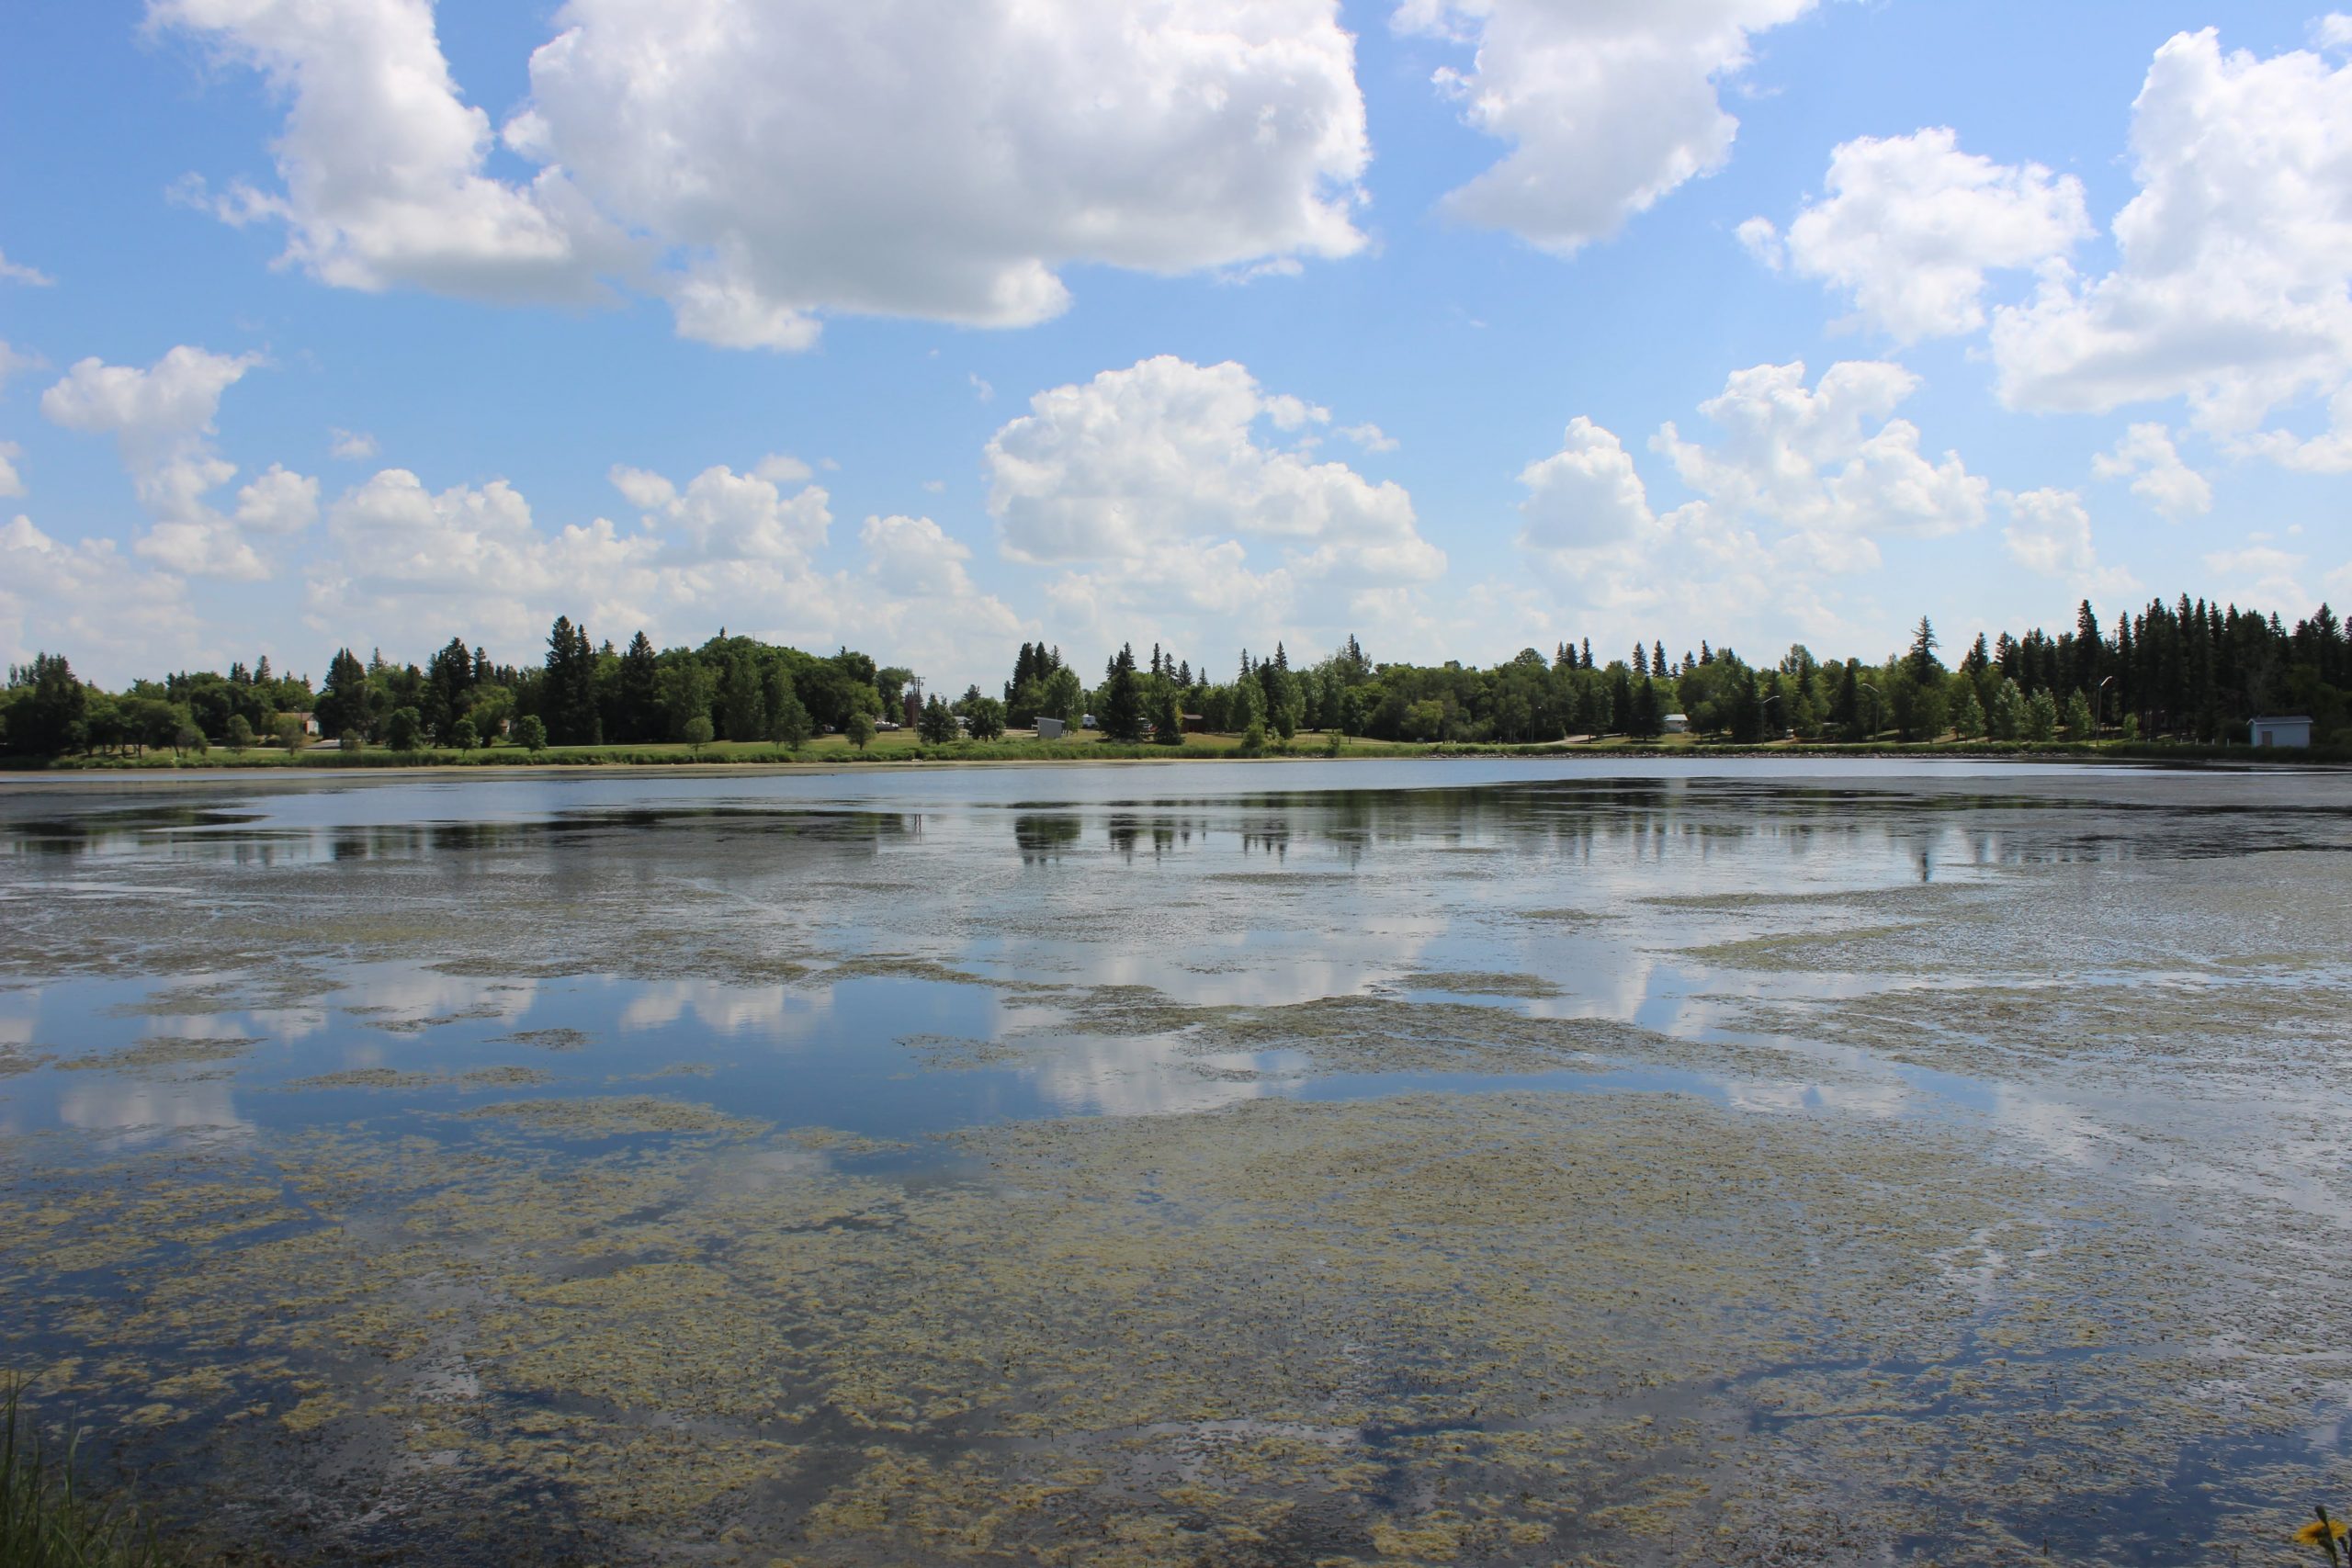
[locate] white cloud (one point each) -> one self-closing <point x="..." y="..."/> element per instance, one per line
<point x="2050" y="533"/>
<point x="980" y="389"/>
<point x="1609" y="108"/>
<point x="1911" y="225"/>
<point x="782" y="161"/>
<point x="13" y="360"/>
<point x="2147" y="457"/>
<point x="2333" y="31"/>
<point x="14" y="272"/>
<point x="1371" y="437"/>
<point x="161" y="419"/>
<point x="2234" y="285"/>
<point x="925" y="608"/>
<point x="2261" y="574"/>
<point x="11" y="482"/>
<point x="1795" y="495"/>
<point x="279" y="501"/>
<point x="1584" y="495"/>
<point x="1165" y="461"/>
<point x="724" y="515"/>
<point x="109" y="617"/>
<point x="383" y="165"/>
<point x="351" y="445"/>
<point x="1826" y="462"/>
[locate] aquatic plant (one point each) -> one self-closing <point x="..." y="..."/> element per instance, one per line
<point x="2323" y="1532"/>
<point x="49" y="1519"/>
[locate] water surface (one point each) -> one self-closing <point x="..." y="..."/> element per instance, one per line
<point x="1465" y="1161"/>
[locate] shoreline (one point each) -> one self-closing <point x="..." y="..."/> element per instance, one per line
<point x="767" y="762"/>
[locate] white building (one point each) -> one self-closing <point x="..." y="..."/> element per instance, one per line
<point x="1049" y="729"/>
<point x="1678" y="724"/>
<point x="2285" y="731"/>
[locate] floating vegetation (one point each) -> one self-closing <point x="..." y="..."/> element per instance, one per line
<point x="615" y="1116"/>
<point x="1971" y="1219"/>
<point x="548" y="1039"/>
<point x="1469" y="984"/>
<point x="161" y="1050"/>
<point x="386" y="1077"/>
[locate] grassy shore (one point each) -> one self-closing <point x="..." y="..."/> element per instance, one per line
<point x="834" y="752"/>
<point x="49" y="1518"/>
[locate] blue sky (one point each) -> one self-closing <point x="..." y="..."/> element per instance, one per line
<point x="1219" y="323"/>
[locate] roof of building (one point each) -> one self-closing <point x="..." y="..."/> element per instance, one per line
<point x="2280" y="718"/>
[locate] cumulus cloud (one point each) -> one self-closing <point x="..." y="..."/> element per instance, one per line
<point x="279" y="501"/>
<point x="1608" y="108"/>
<point x="2234" y="283"/>
<point x="2147" y="457"/>
<point x="725" y="549"/>
<point x="926" y="608"/>
<point x="382" y="165"/>
<point x="1910" y="225"/>
<point x="724" y="515"/>
<point x="1796" y="492"/>
<point x="113" y="618"/>
<point x="2262" y="574"/>
<point x="13" y="272"/>
<point x="1584" y="495"/>
<point x="2050" y="533"/>
<point x="771" y="163"/>
<point x="1828" y="461"/>
<point x="1169" y="459"/>
<point x="162" y="419"/>
<point x="11" y="482"/>
<point x="351" y="445"/>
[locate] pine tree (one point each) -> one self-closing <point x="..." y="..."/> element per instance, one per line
<point x="1122" y="716"/>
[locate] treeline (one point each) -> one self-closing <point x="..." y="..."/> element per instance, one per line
<point x="582" y="693"/>
<point x="2188" y="670"/>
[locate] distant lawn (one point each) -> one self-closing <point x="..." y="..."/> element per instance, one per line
<point x="904" y="746"/>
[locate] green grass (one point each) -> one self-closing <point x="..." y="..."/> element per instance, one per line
<point x="49" y="1517"/>
<point x="905" y="746"/>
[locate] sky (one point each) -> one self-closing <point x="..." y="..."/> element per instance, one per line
<point x="1459" y="326"/>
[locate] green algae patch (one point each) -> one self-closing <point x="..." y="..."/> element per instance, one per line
<point x="389" y="1079"/>
<point x="161" y="1050"/>
<point x="548" y="1039"/>
<point x="1512" y="1328"/>
<point x="614" y="1116"/>
<point x="1479" y="984"/>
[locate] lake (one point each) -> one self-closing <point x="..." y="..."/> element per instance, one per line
<point x="1290" y="1163"/>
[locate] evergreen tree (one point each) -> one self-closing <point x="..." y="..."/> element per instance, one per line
<point x="341" y="707"/>
<point x="568" y="697"/>
<point x="1641" y="661"/>
<point x="1121" y="715"/>
<point x="1168" y="716"/>
<point x="640" y="692"/>
<point x="1923" y="665"/>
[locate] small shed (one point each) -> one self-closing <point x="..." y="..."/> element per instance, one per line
<point x="2283" y="730"/>
<point x="308" y="721"/>
<point x="1678" y="724"/>
<point x="1050" y="729"/>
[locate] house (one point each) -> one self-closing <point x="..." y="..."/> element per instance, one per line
<point x="308" y="721"/>
<point x="1049" y="729"/>
<point x="1678" y="724"/>
<point x="2293" y="731"/>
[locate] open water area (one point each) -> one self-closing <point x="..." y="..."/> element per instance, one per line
<point x="1221" y="1164"/>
